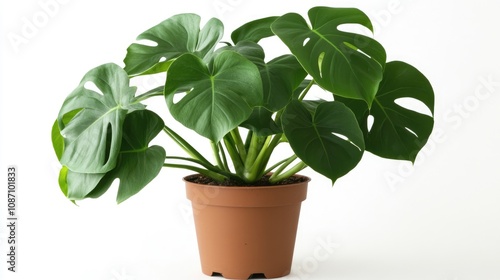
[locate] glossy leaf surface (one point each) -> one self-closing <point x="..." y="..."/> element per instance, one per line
<point x="324" y="135"/>
<point x="92" y="138"/>
<point x="220" y="97"/>
<point x="261" y="122"/>
<point x="254" y="31"/>
<point x="173" y="37"/>
<point x="280" y="76"/>
<point x="344" y="63"/>
<point x="137" y="164"/>
<point x="397" y="132"/>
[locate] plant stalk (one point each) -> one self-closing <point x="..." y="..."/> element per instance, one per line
<point x="185" y="145"/>
<point x="235" y="156"/>
<point x="214" y="175"/>
<point x="235" y="133"/>
<point x="294" y="170"/>
<point x="306" y="90"/>
<point x="215" y="149"/>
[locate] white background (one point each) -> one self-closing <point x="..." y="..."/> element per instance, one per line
<point x="437" y="220"/>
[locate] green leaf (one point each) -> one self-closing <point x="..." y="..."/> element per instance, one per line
<point x="57" y="138"/>
<point x="221" y="97"/>
<point x="79" y="185"/>
<point x="324" y="135"/>
<point x="173" y="37"/>
<point x="254" y="31"/>
<point x="344" y="63"/>
<point x="261" y="122"/>
<point x="92" y="138"/>
<point x="280" y="76"/>
<point x="397" y="132"/>
<point x="63" y="183"/>
<point x="137" y="164"/>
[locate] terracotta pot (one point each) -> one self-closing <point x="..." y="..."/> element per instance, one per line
<point x="246" y="231"/>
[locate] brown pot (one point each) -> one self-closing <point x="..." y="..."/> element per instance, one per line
<point x="245" y="231"/>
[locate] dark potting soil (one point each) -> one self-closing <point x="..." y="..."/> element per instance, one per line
<point x="264" y="181"/>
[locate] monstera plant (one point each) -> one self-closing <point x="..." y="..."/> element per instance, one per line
<point x="243" y="103"/>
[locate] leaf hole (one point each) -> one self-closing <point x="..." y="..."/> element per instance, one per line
<point x="411" y="131"/>
<point x="345" y="138"/>
<point x="355" y="28"/>
<point x="413" y="104"/>
<point x="369" y="122"/>
<point x="363" y="53"/>
<point x="353" y="47"/>
<point x="162" y="59"/>
<point x="148" y="43"/>
<point x="109" y="136"/>
<point x="93" y="87"/>
<point x="179" y="96"/>
<point x="305" y="41"/>
<point x="320" y="63"/>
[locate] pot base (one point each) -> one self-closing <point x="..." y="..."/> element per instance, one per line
<point x="246" y="231"/>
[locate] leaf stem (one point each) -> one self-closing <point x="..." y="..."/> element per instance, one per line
<point x="216" y="151"/>
<point x="283" y="166"/>
<point x="235" y="133"/>
<point x="270" y="169"/>
<point x="208" y="167"/>
<point x="214" y="175"/>
<point x="294" y="170"/>
<point x="258" y="167"/>
<point x="154" y="92"/>
<point x="185" y="145"/>
<point x="306" y="90"/>
<point x="224" y="158"/>
<point x="256" y="144"/>
<point x="233" y="153"/>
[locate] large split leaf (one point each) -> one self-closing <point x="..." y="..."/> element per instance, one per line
<point x="137" y="163"/>
<point x="324" y="135"/>
<point x="221" y="96"/>
<point x="344" y="63"/>
<point x="173" y="37"/>
<point x="92" y="138"/>
<point x="397" y="132"/>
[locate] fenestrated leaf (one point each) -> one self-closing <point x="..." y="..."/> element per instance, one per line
<point x="175" y="36"/>
<point x="137" y="163"/>
<point x="344" y="63"/>
<point x="324" y="135"/>
<point x="280" y="76"/>
<point x="254" y="31"/>
<point x="221" y="97"/>
<point x="261" y="122"/>
<point x="92" y="138"/>
<point x="397" y="132"/>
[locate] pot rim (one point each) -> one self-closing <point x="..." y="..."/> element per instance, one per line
<point x="307" y="180"/>
<point x="247" y="196"/>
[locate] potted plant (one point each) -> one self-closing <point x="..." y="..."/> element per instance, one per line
<point x="245" y="106"/>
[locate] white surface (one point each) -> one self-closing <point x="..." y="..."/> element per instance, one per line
<point x="438" y="220"/>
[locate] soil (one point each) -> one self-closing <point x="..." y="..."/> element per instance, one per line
<point x="264" y="181"/>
